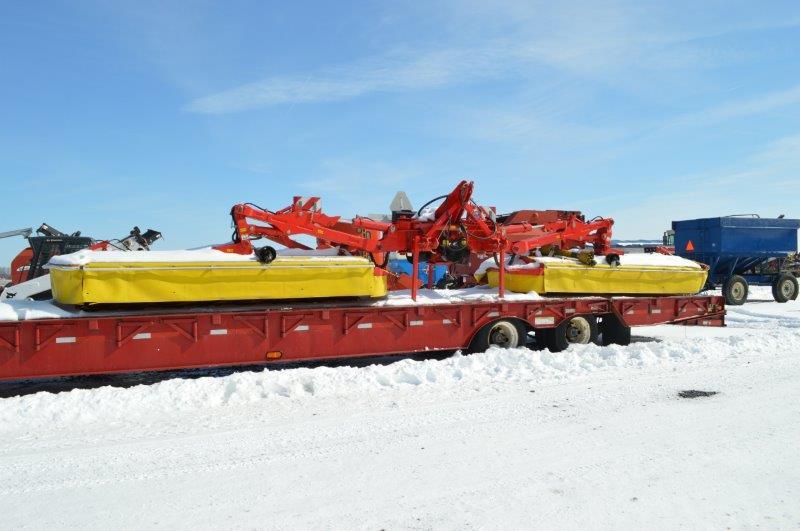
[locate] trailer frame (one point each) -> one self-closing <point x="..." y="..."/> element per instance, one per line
<point x="183" y="338"/>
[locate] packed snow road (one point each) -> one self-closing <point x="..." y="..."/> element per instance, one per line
<point x="594" y="436"/>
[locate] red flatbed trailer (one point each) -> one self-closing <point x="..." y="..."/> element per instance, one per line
<point x="267" y="334"/>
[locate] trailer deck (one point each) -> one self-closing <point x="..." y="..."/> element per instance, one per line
<point x="87" y="342"/>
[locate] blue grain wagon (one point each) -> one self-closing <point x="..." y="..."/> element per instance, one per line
<point x="741" y="251"/>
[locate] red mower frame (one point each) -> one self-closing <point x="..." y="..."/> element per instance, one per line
<point x="457" y="223"/>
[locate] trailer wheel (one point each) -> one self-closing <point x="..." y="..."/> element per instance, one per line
<point x="614" y="331"/>
<point x="580" y="330"/>
<point x="785" y="288"/>
<point x="735" y="290"/>
<point x="505" y="333"/>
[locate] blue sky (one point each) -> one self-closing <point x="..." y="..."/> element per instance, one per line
<point x="164" y="114"/>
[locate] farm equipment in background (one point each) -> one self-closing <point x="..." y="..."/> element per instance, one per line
<point x="667" y="244"/>
<point x="29" y="274"/>
<point x="792" y="264"/>
<point x="741" y="251"/>
<point x="455" y="232"/>
<point x="19" y="232"/>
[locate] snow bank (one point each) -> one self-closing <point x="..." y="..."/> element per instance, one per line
<point x="625" y="260"/>
<point x="23" y="309"/>
<point x="427" y="214"/>
<point x="203" y="254"/>
<point x="333" y="251"/>
<point x="656" y="259"/>
<point x="512" y="263"/>
<point x="486" y="371"/>
<point x="454" y="296"/>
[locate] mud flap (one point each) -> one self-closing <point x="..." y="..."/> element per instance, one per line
<point x="613" y="331"/>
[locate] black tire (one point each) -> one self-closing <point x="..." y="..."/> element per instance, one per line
<point x="614" y="331"/>
<point x="580" y="329"/>
<point x="266" y="254"/>
<point x="785" y="288"/>
<point x="735" y="290"/>
<point x="505" y="333"/>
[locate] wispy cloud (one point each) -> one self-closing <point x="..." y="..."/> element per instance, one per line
<point x="358" y="186"/>
<point x="601" y="41"/>
<point x="401" y="72"/>
<point x="763" y="181"/>
<point x="760" y="104"/>
<point x="394" y="72"/>
<point x="782" y="152"/>
<point x="770" y="163"/>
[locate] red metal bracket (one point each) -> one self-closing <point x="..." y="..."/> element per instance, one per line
<point x="262" y="328"/>
<point x="39" y="340"/>
<point x="292" y="321"/>
<point x="138" y="328"/>
<point x="401" y="323"/>
<point x="178" y="326"/>
<point x="454" y="316"/>
<point x="11" y="344"/>
<point x="494" y="312"/>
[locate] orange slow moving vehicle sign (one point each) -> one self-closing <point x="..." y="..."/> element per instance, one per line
<point x="689" y="246"/>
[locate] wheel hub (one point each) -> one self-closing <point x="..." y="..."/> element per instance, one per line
<point x="787" y="289"/>
<point x="498" y="337"/>
<point x="503" y="335"/>
<point x="579" y="331"/>
<point x="737" y="290"/>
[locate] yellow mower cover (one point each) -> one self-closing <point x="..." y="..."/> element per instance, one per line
<point x="162" y="277"/>
<point x="637" y="274"/>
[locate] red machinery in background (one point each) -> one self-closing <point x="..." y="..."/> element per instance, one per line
<point x="457" y="229"/>
<point x="30" y="264"/>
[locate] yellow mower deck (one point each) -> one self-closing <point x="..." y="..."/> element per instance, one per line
<point x="572" y="277"/>
<point x="161" y="282"/>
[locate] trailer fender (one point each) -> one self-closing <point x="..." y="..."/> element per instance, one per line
<point x="614" y="330"/>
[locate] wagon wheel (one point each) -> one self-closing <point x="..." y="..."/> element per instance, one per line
<point x="735" y="290"/>
<point x="784" y="288"/>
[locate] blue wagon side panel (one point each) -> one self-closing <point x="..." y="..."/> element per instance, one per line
<point x="737" y="236"/>
<point x="734" y="245"/>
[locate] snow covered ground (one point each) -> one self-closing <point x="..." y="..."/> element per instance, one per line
<point x="592" y="437"/>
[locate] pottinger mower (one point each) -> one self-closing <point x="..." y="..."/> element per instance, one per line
<point x="455" y="230"/>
